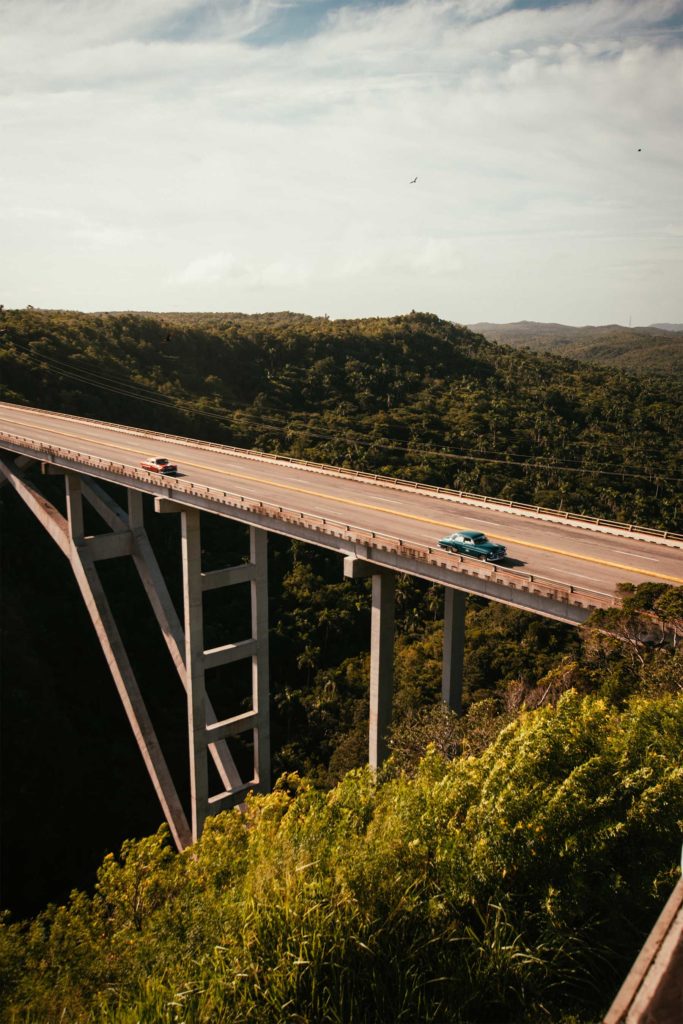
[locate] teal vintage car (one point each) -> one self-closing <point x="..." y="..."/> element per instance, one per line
<point x="472" y="542"/>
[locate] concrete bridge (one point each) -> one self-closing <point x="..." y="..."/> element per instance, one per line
<point x="560" y="565"/>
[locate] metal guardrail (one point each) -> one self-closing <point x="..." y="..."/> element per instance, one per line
<point x="575" y="518"/>
<point x="173" y="487"/>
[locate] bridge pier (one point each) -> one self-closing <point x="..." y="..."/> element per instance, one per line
<point x="194" y="667"/>
<point x="260" y="661"/>
<point x="381" y="653"/>
<point x="204" y="730"/>
<point x="381" y="665"/>
<point x="454" y="604"/>
<point x="127" y="537"/>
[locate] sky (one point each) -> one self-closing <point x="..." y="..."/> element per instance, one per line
<point x="258" y="155"/>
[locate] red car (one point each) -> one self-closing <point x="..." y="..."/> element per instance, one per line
<point x="159" y="466"/>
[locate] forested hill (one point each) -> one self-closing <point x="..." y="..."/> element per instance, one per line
<point x="655" y="349"/>
<point x="410" y="394"/>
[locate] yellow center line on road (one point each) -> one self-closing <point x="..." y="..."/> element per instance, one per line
<point x="382" y="508"/>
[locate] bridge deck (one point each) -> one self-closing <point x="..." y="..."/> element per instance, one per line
<point x="578" y="557"/>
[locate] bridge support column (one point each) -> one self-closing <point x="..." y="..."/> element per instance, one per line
<point x="260" y="660"/>
<point x="194" y="669"/>
<point x="74" y="508"/>
<point x="205" y="731"/>
<point x="381" y="654"/>
<point x="381" y="665"/>
<point x="453" y="647"/>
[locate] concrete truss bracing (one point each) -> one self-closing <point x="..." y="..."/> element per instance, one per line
<point x="205" y="731"/>
<point x="128" y="537"/>
<point x="83" y="555"/>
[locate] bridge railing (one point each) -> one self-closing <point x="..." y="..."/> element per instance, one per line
<point x="174" y="488"/>
<point x="575" y="518"/>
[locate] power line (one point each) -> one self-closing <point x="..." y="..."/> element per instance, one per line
<point x="109" y="381"/>
<point x="142" y="392"/>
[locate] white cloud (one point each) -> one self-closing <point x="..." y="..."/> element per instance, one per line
<point x="207" y="269"/>
<point x="166" y="158"/>
<point x="226" y="269"/>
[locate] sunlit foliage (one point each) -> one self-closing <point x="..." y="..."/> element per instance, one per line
<point x="505" y="887"/>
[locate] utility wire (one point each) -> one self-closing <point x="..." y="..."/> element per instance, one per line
<point x="132" y="387"/>
<point x="142" y="392"/>
<point x="110" y="380"/>
<point x="127" y="390"/>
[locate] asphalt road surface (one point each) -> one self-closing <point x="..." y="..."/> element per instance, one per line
<point x="567" y="553"/>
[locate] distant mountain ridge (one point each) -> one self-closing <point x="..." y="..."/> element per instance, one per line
<point x="656" y="349"/>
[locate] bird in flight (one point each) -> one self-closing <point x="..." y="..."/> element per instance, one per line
<point x="413" y="180"/>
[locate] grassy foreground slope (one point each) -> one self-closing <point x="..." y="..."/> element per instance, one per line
<point x="510" y="886"/>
